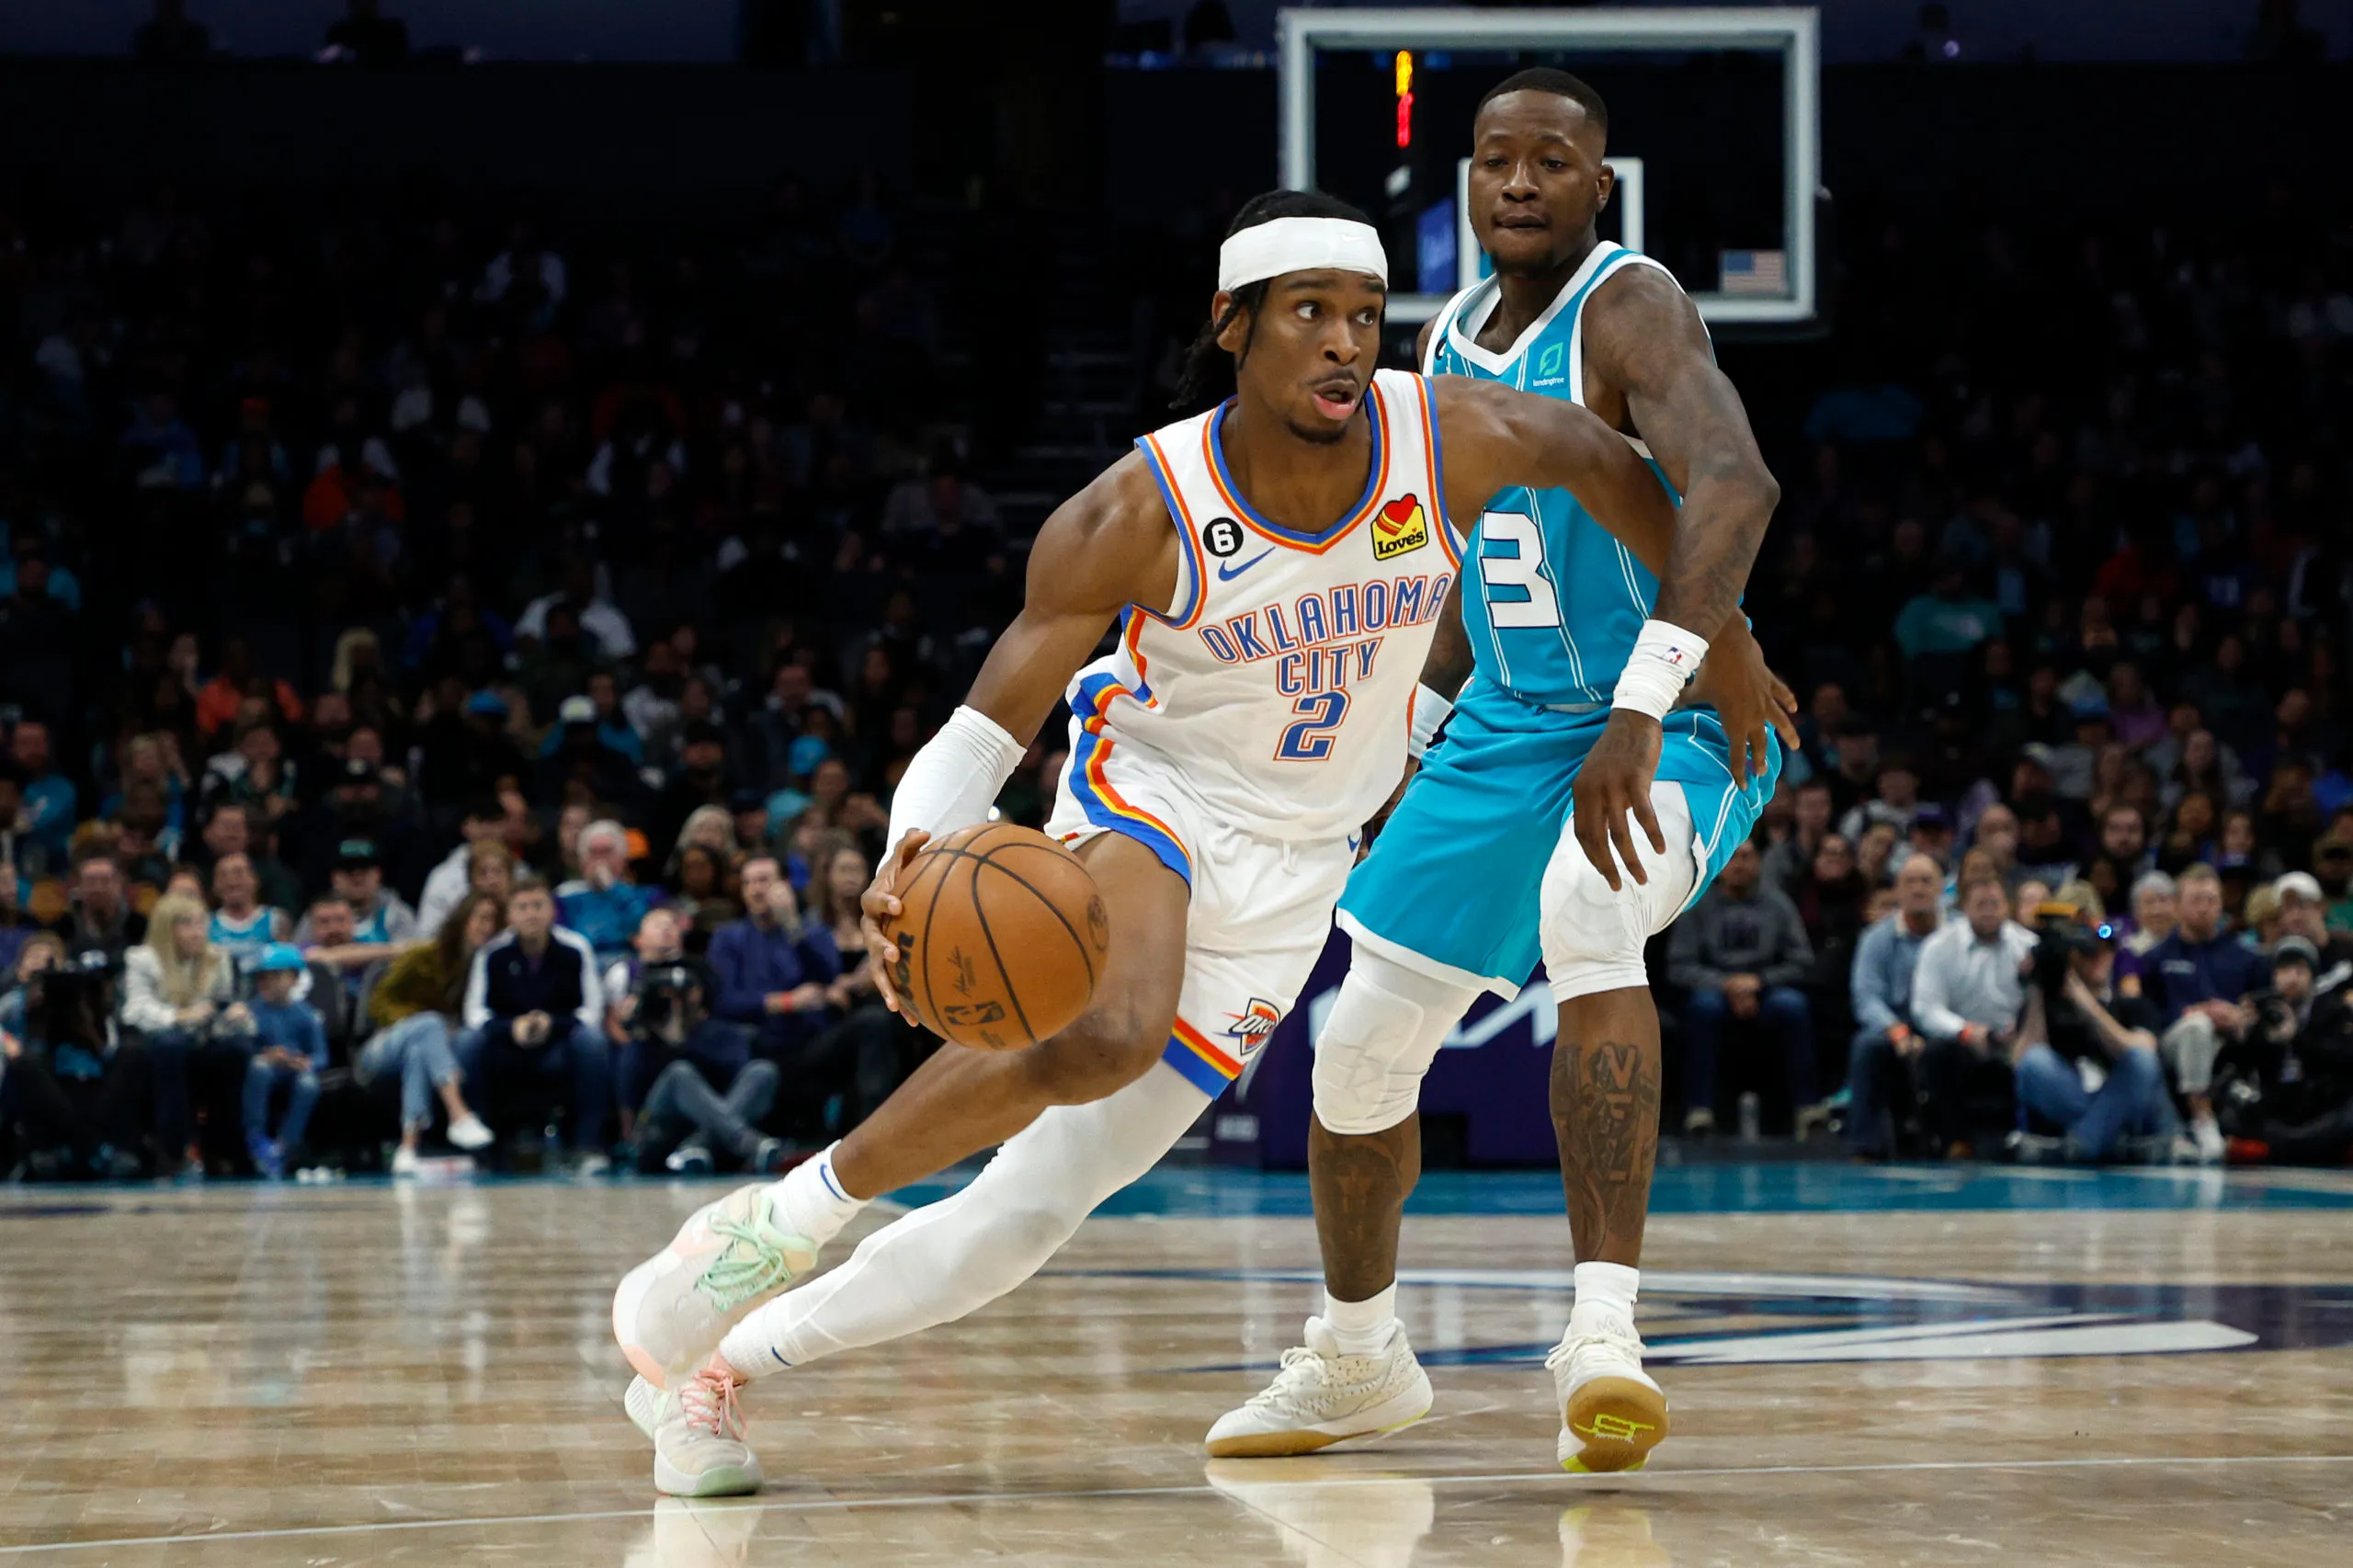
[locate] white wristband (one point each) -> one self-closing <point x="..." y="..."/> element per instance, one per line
<point x="954" y="779"/>
<point x="1430" y="711"/>
<point x="1665" y="659"/>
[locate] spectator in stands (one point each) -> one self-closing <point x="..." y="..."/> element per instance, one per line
<point x="701" y="1094"/>
<point x="1895" y="801"/>
<point x="230" y="831"/>
<point x="1882" y="1073"/>
<point x="100" y="918"/>
<point x="1967" y="995"/>
<point x="379" y="916"/>
<point x="1739" y="955"/>
<point x="534" y="1010"/>
<point x="2155" y="907"/>
<point x="41" y="951"/>
<point x="76" y="1087"/>
<point x="869" y="1042"/>
<point x="2284" y="1089"/>
<point x="2122" y="856"/>
<point x="416" y="1008"/>
<point x="176" y="989"/>
<point x="2200" y="979"/>
<point x="46" y="816"/>
<point x="241" y="923"/>
<point x="1788" y="863"/>
<point x="447" y="884"/>
<point x="659" y="940"/>
<point x="771" y="967"/>
<point x="603" y="903"/>
<point x="2304" y="913"/>
<point x="2074" y="1017"/>
<point x="288" y="1049"/>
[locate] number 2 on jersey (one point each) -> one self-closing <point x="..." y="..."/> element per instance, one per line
<point x="1310" y="740"/>
<point x="1537" y="605"/>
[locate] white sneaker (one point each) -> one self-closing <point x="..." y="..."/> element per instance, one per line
<point x="2206" y="1138"/>
<point x="1612" y="1414"/>
<point x="671" y="1311"/>
<point x="698" y="1432"/>
<point x="1322" y="1397"/>
<point x="405" y="1162"/>
<point x="470" y="1133"/>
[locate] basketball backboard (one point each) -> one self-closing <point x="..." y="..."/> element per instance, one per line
<point x="1732" y="143"/>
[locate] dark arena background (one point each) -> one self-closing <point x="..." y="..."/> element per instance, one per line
<point x="461" y="461"/>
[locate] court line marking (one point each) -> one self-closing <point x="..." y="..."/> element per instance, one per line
<point x="1647" y="1481"/>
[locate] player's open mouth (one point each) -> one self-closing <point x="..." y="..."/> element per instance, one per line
<point x="1336" y="400"/>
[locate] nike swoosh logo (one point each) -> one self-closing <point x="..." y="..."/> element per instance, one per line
<point x="1227" y="574"/>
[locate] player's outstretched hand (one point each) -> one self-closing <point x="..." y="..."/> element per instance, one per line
<point x="879" y="904"/>
<point x="1748" y="697"/>
<point x="1616" y="781"/>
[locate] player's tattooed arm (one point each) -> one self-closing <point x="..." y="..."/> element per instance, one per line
<point x="1109" y="546"/>
<point x="1644" y="336"/>
<point x="1497" y="437"/>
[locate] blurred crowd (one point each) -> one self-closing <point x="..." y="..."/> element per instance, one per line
<point x="2065" y="865"/>
<point x="453" y="679"/>
<point x="352" y="569"/>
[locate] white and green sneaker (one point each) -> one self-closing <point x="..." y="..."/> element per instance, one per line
<point x="671" y="1311"/>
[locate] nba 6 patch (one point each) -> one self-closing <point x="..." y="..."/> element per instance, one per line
<point x="1401" y="526"/>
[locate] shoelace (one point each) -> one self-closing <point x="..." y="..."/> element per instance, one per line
<point x="1567" y="1350"/>
<point x="751" y="1262"/>
<point x="708" y="1404"/>
<point x="1301" y="1365"/>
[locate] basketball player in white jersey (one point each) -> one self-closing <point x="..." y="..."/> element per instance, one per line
<point x="1276" y="569"/>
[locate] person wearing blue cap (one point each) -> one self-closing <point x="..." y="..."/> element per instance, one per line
<point x="290" y="1050"/>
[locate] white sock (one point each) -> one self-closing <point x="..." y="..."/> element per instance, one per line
<point x="1362" y="1328"/>
<point x="810" y="1200"/>
<point x="1610" y="1285"/>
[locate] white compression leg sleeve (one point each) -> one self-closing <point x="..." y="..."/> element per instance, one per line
<point x="951" y="1257"/>
<point x="1385" y="1030"/>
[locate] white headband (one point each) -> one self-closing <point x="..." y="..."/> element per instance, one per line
<point x="1300" y="244"/>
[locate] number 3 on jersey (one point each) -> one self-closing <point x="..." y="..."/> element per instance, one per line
<point x="1532" y="602"/>
<point x="1310" y="740"/>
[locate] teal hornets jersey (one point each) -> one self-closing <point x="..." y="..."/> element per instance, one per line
<point x="1552" y="603"/>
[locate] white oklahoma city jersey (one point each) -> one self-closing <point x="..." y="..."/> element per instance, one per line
<point x="1278" y="687"/>
<point x="1244" y="736"/>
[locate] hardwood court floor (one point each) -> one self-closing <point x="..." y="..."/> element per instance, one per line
<point x="1885" y="1367"/>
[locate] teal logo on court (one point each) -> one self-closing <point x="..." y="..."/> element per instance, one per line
<point x="1549" y="362"/>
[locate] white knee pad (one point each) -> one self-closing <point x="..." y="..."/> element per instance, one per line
<point x="1385" y="1026"/>
<point x="1593" y="937"/>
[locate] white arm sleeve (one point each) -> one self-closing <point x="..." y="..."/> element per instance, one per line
<point x="954" y="779"/>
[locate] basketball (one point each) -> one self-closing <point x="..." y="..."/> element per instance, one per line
<point x="1001" y="937"/>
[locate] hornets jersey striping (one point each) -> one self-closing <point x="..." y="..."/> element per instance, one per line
<point x="1278" y="686"/>
<point x="1553" y="603"/>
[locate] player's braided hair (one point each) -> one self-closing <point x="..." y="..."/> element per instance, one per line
<point x="1208" y="373"/>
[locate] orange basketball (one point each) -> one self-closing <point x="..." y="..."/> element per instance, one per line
<point x="1001" y="936"/>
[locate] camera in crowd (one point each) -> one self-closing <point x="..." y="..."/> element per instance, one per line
<point x="2062" y="938"/>
<point x="673" y="999"/>
<point x="70" y="1005"/>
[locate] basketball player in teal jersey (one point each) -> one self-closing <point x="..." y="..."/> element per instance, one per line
<point x="1511" y="844"/>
